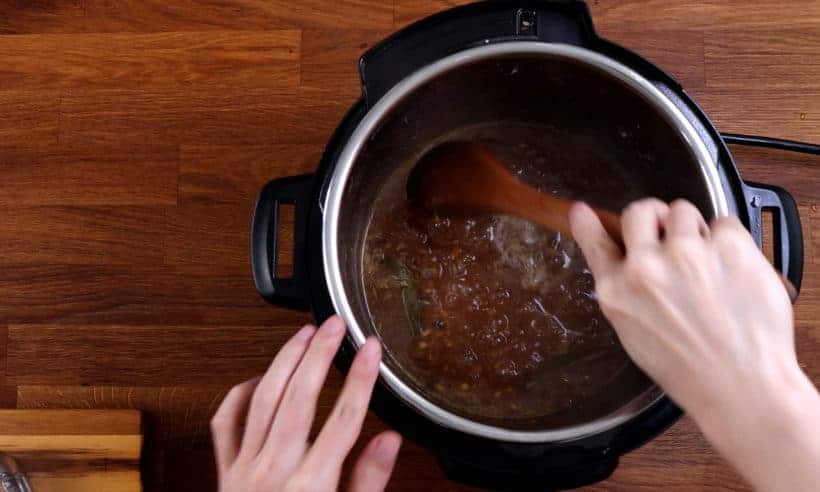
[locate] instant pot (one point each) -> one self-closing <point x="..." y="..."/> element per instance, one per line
<point x="621" y="129"/>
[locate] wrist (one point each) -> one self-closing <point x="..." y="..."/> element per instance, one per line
<point x="769" y="434"/>
<point x="779" y="402"/>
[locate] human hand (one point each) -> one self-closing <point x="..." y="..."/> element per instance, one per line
<point x="701" y="310"/>
<point x="261" y="429"/>
<point x="698" y="307"/>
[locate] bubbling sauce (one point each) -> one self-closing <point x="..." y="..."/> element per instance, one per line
<point x="493" y="316"/>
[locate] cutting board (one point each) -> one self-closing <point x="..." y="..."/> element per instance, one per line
<point x="75" y="450"/>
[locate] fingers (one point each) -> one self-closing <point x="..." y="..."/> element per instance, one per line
<point x="685" y="220"/>
<point x="344" y="424"/>
<point x="298" y="405"/>
<point x="600" y="250"/>
<point x="738" y="250"/>
<point x="269" y="392"/>
<point x="733" y="242"/>
<point x="727" y="225"/>
<point x="642" y="223"/>
<point x="372" y="471"/>
<point x="226" y="424"/>
<point x="730" y="238"/>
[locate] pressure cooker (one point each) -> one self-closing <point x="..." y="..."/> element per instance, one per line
<point x="617" y="119"/>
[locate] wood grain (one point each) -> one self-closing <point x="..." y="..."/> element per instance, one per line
<point x="182" y="411"/>
<point x="104" y="294"/>
<point x="796" y="172"/>
<point x="82" y="236"/>
<point x="152" y="61"/>
<point x="199" y="235"/>
<point x="135" y="135"/>
<point x="110" y="481"/>
<point x="227" y="174"/>
<point x="775" y="113"/>
<point x="684" y="59"/>
<point x="153" y="15"/>
<point x="408" y="11"/>
<point x="38" y="17"/>
<point x="330" y="58"/>
<point x="773" y="58"/>
<point x="8" y="391"/>
<point x="707" y="15"/>
<point x="251" y="117"/>
<point x="813" y="235"/>
<point x="140" y="355"/>
<point x="27" y="117"/>
<point x="75" y="450"/>
<point x="180" y="414"/>
<point x="95" y="175"/>
<point x="81" y="16"/>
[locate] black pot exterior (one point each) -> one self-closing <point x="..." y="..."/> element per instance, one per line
<point x="477" y="461"/>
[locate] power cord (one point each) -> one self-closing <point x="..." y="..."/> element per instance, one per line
<point x="772" y="143"/>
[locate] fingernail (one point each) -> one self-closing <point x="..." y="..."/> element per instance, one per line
<point x="371" y="352"/>
<point x="386" y="448"/>
<point x="305" y="333"/>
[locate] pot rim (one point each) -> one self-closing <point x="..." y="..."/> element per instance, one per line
<point x="333" y="201"/>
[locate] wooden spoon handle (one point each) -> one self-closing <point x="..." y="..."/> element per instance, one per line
<point x="553" y="212"/>
<point x="612" y="224"/>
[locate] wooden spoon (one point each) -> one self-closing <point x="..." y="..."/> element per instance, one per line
<point x="466" y="178"/>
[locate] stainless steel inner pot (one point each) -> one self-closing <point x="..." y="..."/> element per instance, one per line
<point x="616" y="138"/>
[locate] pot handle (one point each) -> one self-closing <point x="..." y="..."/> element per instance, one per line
<point x="440" y="35"/>
<point x="787" y="232"/>
<point x="265" y="231"/>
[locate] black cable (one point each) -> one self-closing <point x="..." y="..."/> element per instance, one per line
<point x="772" y="143"/>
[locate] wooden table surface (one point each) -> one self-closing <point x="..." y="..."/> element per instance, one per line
<point x="75" y="450"/>
<point x="135" y="134"/>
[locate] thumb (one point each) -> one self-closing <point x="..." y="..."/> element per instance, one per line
<point x="601" y="252"/>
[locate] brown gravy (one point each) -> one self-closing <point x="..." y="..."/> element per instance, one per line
<point x="493" y="317"/>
